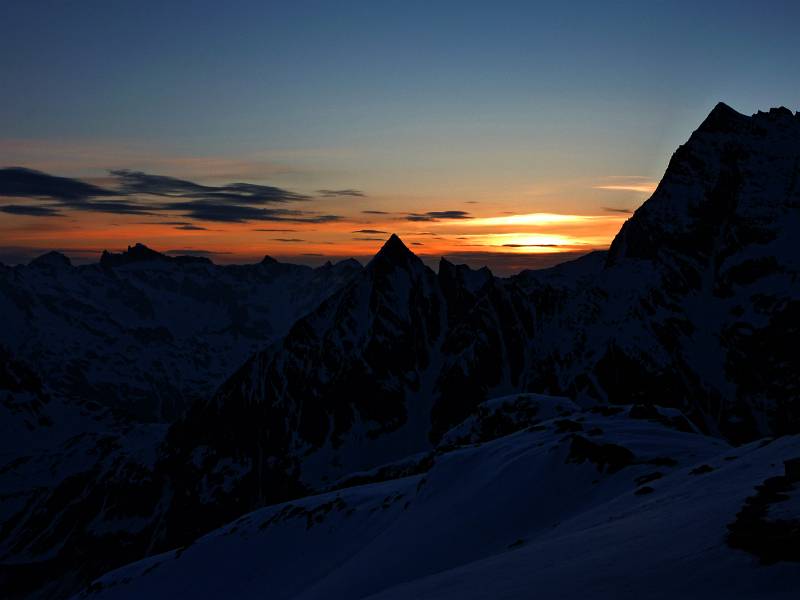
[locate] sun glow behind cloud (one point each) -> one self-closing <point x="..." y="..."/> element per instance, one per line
<point x="532" y="219"/>
<point x="250" y="220"/>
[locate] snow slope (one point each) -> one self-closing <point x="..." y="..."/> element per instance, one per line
<point x="548" y="511"/>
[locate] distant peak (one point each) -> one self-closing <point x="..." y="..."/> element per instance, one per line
<point x="394" y="246"/>
<point x="394" y="252"/>
<point x="268" y="260"/>
<point x="51" y="259"/>
<point x="136" y="253"/>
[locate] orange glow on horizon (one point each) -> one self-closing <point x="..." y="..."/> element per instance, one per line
<point x="531" y="233"/>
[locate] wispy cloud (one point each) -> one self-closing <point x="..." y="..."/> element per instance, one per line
<point x="229" y="203"/>
<point x="31" y="210"/>
<point x="535" y="219"/>
<point x="340" y="193"/>
<point x="621" y="210"/>
<point x="195" y="252"/>
<point x="138" y="182"/>
<point x="627" y="183"/>
<point x="531" y="245"/>
<point x="369" y="231"/>
<point x="437" y="215"/>
<point x="20" y="182"/>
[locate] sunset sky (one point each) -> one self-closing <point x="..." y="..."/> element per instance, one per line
<point x="512" y="134"/>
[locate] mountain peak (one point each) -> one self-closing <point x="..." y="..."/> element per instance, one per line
<point x="51" y="259"/>
<point x="722" y="118"/>
<point x="394" y="253"/>
<point x="136" y="253"/>
<point x="394" y="249"/>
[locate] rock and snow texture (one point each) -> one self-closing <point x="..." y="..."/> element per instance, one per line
<point x="583" y="505"/>
<point x="148" y="333"/>
<point x="698" y="303"/>
<point x="449" y="434"/>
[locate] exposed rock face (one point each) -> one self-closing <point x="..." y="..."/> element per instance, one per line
<point x="148" y="333"/>
<point x="698" y="301"/>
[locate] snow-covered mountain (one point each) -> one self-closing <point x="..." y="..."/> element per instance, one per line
<point x="148" y="333"/>
<point x="391" y="415"/>
<point x="401" y="354"/>
<point x="698" y="303"/>
<point x="580" y="503"/>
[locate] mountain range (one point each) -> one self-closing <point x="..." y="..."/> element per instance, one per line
<point x="391" y="431"/>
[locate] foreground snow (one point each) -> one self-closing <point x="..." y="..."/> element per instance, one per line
<point x="583" y="505"/>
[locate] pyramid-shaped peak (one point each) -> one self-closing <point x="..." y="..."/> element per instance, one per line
<point x="394" y="248"/>
<point x="722" y="118"/>
<point x="394" y="253"/>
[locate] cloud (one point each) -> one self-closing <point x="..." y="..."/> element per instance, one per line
<point x="375" y="212"/>
<point x="627" y="183"/>
<point x="138" y="182"/>
<point x="531" y="245"/>
<point x="644" y="188"/>
<point x="111" y="206"/>
<point x="436" y="215"/>
<point x="190" y="227"/>
<point x="340" y="193"/>
<point x="194" y="252"/>
<point x="31" y="210"/>
<point x="229" y="203"/>
<point x="617" y="210"/>
<point x="368" y="239"/>
<point x="20" y="182"/>
<point x="235" y="213"/>
<point x="288" y="240"/>
<point x="368" y="231"/>
<point x="277" y="230"/>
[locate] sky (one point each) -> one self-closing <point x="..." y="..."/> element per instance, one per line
<point x="512" y="134"/>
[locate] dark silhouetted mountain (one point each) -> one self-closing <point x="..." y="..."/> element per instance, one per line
<point x="51" y="259"/>
<point x="698" y="302"/>
<point x="395" y="416"/>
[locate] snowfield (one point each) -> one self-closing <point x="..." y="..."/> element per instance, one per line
<point x="587" y="505"/>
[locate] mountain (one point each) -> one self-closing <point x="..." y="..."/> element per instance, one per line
<point x="393" y="431"/>
<point x="379" y="371"/>
<point x="580" y="502"/>
<point x="697" y="303"/>
<point x="148" y="333"/>
<point x="701" y="278"/>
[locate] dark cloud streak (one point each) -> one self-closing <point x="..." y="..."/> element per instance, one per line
<point x="230" y="203"/>
<point x="435" y="215"/>
<point x="31" y="210"/>
<point x="341" y="193"/>
<point x="138" y="182"/>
